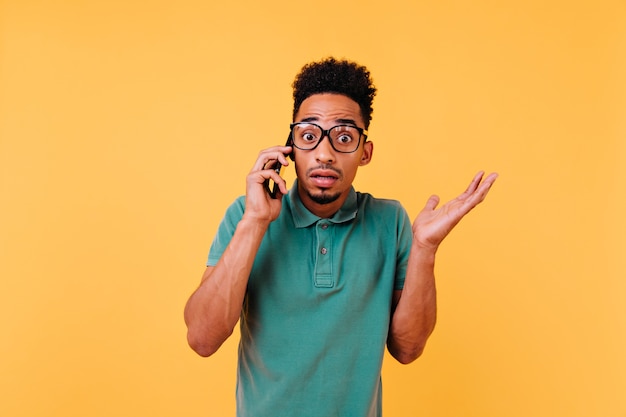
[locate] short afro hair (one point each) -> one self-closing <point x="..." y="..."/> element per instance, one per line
<point x="338" y="77"/>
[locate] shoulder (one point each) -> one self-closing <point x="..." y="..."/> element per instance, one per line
<point x="388" y="217"/>
<point x="234" y="212"/>
<point x="238" y="206"/>
<point x="383" y="213"/>
<point x="368" y="202"/>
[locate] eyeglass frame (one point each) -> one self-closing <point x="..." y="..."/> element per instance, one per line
<point x="326" y="133"/>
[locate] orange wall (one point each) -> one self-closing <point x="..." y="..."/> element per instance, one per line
<point x="126" y="128"/>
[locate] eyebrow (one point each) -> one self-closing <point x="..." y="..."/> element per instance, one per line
<point x="340" y="121"/>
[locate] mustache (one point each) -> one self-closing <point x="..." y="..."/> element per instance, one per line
<point x="325" y="167"/>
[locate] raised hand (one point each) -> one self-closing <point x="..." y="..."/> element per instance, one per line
<point x="433" y="224"/>
<point x="259" y="204"/>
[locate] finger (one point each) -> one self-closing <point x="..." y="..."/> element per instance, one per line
<point x="273" y="163"/>
<point x="486" y="184"/>
<point x="269" y="157"/>
<point x="491" y="178"/>
<point x="279" y="181"/>
<point x="471" y="188"/>
<point x="479" y="195"/>
<point x="270" y="174"/>
<point x="266" y="174"/>
<point x="478" y="185"/>
<point x="474" y="184"/>
<point x="266" y="160"/>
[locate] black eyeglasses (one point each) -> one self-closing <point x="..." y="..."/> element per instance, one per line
<point x="343" y="138"/>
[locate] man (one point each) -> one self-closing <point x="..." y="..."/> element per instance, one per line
<point x="321" y="277"/>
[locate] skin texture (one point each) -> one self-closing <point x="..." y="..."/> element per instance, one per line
<point x="323" y="174"/>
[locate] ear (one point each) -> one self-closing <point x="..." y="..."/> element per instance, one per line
<point x="368" y="151"/>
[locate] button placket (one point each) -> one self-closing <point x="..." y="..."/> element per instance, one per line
<point x="323" y="266"/>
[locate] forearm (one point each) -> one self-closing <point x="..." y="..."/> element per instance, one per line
<point x="214" y="308"/>
<point x="415" y="313"/>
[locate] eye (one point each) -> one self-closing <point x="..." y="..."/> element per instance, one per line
<point x="345" y="135"/>
<point x="344" y="138"/>
<point x="305" y="134"/>
<point x="308" y="136"/>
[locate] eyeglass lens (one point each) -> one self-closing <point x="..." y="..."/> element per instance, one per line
<point x="344" y="138"/>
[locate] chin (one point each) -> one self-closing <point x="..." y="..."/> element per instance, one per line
<point x="324" y="197"/>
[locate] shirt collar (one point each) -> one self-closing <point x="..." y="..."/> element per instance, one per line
<point x="302" y="217"/>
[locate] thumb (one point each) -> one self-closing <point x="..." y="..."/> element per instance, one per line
<point x="432" y="202"/>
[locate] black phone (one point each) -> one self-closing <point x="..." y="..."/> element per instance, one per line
<point x="270" y="185"/>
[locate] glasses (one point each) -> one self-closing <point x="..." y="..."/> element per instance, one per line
<point x="343" y="138"/>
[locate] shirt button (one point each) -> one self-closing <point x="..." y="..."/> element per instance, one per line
<point x="325" y="226"/>
<point x="323" y="251"/>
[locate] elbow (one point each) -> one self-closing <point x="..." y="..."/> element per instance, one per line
<point x="406" y="347"/>
<point x="202" y="350"/>
<point x="406" y="356"/>
<point x="202" y="344"/>
<point x="405" y="351"/>
<point x="204" y="338"/>
<point x="200" y="347"/>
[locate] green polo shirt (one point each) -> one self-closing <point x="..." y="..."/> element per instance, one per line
<point x="316" y="314"/>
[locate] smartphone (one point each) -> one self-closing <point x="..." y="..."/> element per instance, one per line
<point x="270" y="185"/>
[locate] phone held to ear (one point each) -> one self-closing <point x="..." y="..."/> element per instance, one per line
<point x="270" y="185"/>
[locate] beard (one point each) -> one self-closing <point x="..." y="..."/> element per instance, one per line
<point x="323" y="197"/>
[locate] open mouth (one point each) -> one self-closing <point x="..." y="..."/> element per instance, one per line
<point x="323" y="181"/>
<point x="324" y="178"/>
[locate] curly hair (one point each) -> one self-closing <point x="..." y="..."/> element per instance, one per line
<point x="339" y="77"/>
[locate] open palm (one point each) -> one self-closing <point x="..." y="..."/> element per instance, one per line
<point x="433" y="224"/>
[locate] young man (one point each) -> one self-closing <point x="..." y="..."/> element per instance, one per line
<point x="321" y="277"/>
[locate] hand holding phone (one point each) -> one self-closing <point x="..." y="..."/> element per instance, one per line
<point x="270" y="185"/>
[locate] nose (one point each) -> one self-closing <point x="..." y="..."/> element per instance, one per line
<point x="324" y="152"/>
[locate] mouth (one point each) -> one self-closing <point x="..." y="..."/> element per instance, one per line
<point x="323" y="182"/>
<point x="324" y="178"/>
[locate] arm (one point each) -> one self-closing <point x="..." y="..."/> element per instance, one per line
<point x="414" y="309"/>
<point x="214" y="308"/>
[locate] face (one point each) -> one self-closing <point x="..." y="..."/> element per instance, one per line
<point x="325" y="176"/>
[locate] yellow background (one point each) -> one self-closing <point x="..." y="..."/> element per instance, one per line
<point x="127" y="127"/>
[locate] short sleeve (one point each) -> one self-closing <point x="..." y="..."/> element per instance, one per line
<point x="405" y="239"/>
<point x="225" y="231"/>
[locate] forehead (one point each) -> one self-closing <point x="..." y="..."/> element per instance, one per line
<point x="329" y="108"/>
